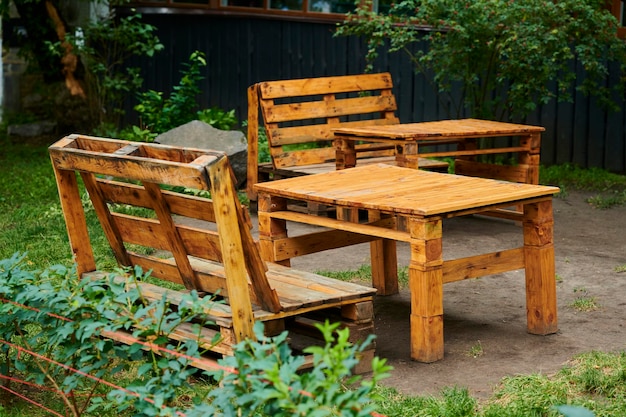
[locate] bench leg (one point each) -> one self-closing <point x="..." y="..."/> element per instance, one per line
<point x="541" y="308"/>
<point x="426" y="281"/>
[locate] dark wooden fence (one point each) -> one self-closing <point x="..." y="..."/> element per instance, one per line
<point x="243" y="50"/>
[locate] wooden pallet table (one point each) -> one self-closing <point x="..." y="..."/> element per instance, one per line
<point x="424" y="199"/>
<point x="410" y="139"/>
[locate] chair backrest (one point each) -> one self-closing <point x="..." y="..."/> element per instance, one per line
<point x="299" y="116"/>
<point x="142" y="195"/>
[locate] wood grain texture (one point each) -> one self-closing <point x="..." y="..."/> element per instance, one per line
<point x="204" y="244"/>
<point x="404" y="191"/>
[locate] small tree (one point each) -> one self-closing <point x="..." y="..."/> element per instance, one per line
<point x="104" y="46"/>
<point x="501" y="55"/>
<point x="92" y="59"/>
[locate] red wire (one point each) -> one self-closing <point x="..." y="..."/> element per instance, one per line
<point x="17" y="394"/>
<point x="150" y="345"/>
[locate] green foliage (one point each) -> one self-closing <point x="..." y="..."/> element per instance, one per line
<point x="218" y="118"/>
<point x="599" y="373"/>
<point x="104" y="46"/>
<point x="570" y="175"/>
<point x="502" y="56"/>
<point x="64" y="320"/>
<point x="268" y="382"/>
<point x="611" y="187"/>
<point x="158" y="114"/>
<point x="263" y="145"/>
<point x="67" y="320"/>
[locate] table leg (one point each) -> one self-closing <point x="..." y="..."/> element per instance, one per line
<point x="540" y="271"/>
<point x="384" y="262"/>
<point x="345" y="153"/>
<point x="426" y="282"/>
<point x="407" y="155"/>
<point x="531" y="158"/>
<point x="270" y="228"/>
<point x="345" y="157"/>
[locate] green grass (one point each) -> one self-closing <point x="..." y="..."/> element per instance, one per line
<point x="31" y="220"/>
<point x="363" y="275"/>
<point x="610" y="187"/>
<point x="594" y="380"/>
<point x="584" y="301"/>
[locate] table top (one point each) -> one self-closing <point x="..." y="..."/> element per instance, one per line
<point x="399" y="190"/>
<point x="441" y="129"/>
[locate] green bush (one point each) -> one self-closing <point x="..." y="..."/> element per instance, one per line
<point x="496" y="59"/>
<point x="158" y="114"/>
<point x="53" y="331"/>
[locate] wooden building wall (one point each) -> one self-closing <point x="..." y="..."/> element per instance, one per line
<point x="243" y="50"/>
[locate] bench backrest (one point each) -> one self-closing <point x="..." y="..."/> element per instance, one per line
<point x="140" y="193"/>
<point x="299" y="116"/>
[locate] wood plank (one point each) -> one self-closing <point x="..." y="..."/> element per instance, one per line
<point x="149" y="232"/>
<point x="142" y="169"/>
<point x="252" y="174"/>
<point x="316" y="132"/>
<point x="474" y="152"/>
<point x="109" y="226"/>
<point x="290" y="247"/>
<point x="415" y="192"/>
<point x="484" y="264"/>
<point x="280" y="113"/>
<point x="379" y="228"/>
<point x="232" y="249"/>
<point x="514" y="173"/>
<point x="281" y="158"/>
<point x="459" y="128"/>
<point x="304" y="279"/>
<point x="74" y="216"/>
<point x="293" y="171"/>
<point x="312" y="86"/>
<point x="180" y="204"/>
<point x="171" y="234"/>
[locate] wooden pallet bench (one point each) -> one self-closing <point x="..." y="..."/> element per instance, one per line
<point x="204" y="244"/>
<point x="299" y="117"/>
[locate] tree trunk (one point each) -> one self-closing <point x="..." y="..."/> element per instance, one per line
<point x="69" y="60"/>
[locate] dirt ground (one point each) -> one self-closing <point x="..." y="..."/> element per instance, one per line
<point x="490" y="312"/>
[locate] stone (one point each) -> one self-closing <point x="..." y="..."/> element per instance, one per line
<point x="198" y="134"/>
<point x="32" y="129"/>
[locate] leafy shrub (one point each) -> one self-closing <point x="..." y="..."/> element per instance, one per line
<point x="54" y="327"/>
<point x="104" y="45"/>
<point x="495" y="59"/>
<point x="158" y="114"/>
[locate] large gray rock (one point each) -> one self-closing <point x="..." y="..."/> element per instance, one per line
<point x="32" y="129"/>
<point x="197" y="134"/>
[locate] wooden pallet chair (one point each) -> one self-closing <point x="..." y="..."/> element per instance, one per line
<point x="299" y="115"/>
<point x="204" y="244"/>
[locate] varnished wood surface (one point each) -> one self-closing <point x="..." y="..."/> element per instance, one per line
<point x="443" y="129"/>
<point x="403" y="190"/>
<point x="209" y="242"/>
